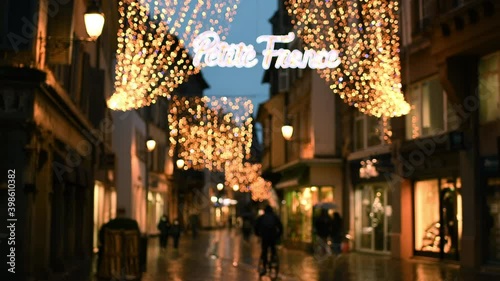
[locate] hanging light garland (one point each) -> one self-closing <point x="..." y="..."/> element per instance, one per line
<point x="153" y="41"/>
<point x="365" y="32"/>
<point x="216" y="134"/>
<point x="247" y="176"/>
<point x="206" y="134"/>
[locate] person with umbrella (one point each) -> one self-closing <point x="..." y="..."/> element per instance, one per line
<point x="337" y="232"/>
<point x="323" y="227"/>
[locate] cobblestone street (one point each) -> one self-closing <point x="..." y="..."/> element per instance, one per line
<point x="224" y="255"/>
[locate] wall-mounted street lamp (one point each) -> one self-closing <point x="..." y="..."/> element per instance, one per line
<point x="287" y="131"/>
<point x="220" y="186"/>
<point x="180" y="163"/>
<point x="94" y="21"/>
<point x="236" y="187"/>
<point x="150" y="144"/>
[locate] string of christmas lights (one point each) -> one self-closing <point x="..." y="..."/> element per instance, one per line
<point x="206" y="135"/>
<point x="216" y="134"/>
<point x="154" y="38"/>
<point x="365" y="32"/>
<point x="247" y="176"/>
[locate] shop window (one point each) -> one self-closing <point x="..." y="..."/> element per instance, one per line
<point x="438" y="216"/>
<point x="489" y="89"/>
<point x="426" y="216"/>
<point x="326" y="194"/>
<point x="99" y="212"/>
<point x="373" y="211"/>
<point x="430" y="112"/>
<point x="491" y="224"/>
<point x="368" y="131"/>
<point x="300" y="214"/>
<point x="155" y="210"/>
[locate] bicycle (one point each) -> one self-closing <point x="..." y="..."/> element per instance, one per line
<point x="273" y="267"/>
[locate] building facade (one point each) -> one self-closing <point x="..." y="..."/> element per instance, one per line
<point x="307" y="170"/>
<point x="150" y="179"/>
<point x="54" y="129"/>
<point x="368" y="162"/>
<point x="425" y="184"/>
<point x="447" y="154"/>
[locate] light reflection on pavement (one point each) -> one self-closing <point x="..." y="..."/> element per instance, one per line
<point x="224" y="255"/>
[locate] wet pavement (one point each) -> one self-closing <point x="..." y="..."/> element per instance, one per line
<point x="224" y="255"/>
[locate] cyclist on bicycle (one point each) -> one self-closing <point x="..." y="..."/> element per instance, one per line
<point x="269" y="228"/>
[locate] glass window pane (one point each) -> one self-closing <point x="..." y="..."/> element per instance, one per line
<point x="488" y="89"/>
<point x="388" y="214"/>
<point x="432" y="108"/>
<point x="451" y="214"/>
<point x="427" y="216"/>
<point x="378" y="217"/>
<point x="374" y="131"/>
<point x="413" y="118"/>
<point x="366" y="224"/>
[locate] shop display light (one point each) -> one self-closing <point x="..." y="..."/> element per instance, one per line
<point x="368" y="169"/>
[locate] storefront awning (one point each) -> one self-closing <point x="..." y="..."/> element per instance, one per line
<point x="293" y="178"/>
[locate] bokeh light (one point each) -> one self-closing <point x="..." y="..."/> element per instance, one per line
<point x="365" y="33"/>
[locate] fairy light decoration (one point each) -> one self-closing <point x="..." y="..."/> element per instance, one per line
<point x="208" y="132"/>
<point x="154" y="38"/>
<point x="215" y="133"/>
<point x="365" y="32"/>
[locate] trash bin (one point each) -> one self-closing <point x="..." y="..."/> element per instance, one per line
<point x="121" y="257"/>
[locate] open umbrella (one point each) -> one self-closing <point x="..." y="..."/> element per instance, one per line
<point x="326" y="205"/>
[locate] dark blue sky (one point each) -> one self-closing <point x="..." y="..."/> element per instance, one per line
<point x="251" y="21"/>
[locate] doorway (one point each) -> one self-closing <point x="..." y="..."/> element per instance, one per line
<point x="373" y="217"/>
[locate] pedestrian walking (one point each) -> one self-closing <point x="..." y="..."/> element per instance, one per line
<point x="175" y="231"/>
<point x="337" y="232"/>
<point x="194" y="221"/>
<point x="164" y="228"/>
<point x="269" y="228"/>
<point x="323" y="229"/>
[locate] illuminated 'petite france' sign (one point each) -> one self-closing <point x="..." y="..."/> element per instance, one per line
<point x="211" y="51"/>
